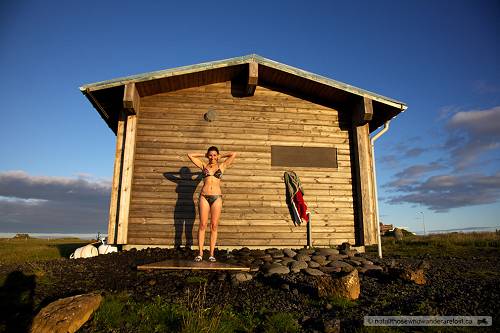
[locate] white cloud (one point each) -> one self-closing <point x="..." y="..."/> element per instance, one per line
<point x="29" y="202"/>
<point x="412" y="174"/>
<point x="52" y="204"/>
<point x="472" y="134"/>
<point x="444" y="192"/>
<point x="472" y="143"/>
<point x="485" y="122"/>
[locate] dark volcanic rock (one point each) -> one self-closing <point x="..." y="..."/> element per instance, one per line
<point x="277" y="269"/>
<point x="407" y="274"/>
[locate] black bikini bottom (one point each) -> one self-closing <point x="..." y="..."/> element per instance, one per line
<point x="212" y="198"/>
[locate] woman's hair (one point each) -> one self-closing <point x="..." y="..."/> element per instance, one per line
<point x="213" y="148"/>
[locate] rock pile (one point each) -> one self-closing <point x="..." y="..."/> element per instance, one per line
<point x="329" y="271"/>
<point x="322" y="271"/>
<point x="314" y="262"/>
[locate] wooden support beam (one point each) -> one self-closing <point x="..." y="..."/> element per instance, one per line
<point x="126" y="180"/>
<point x="131" y="99"/>
<point x="366" y="229"/>
<point x="124" y="166"/>
<point x="253" y="78"/>
<point x="363" y="112"/>
<point x="117" y="174"/>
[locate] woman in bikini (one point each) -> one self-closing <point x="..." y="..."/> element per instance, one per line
<point x="210" y="197"/>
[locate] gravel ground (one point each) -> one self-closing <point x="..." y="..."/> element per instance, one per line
<point x="465" y="285"/>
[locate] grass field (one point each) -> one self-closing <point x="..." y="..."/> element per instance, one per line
<point x="33" y="249"/>
<point x="450" y="244"/>
<point x="14" y="250"/>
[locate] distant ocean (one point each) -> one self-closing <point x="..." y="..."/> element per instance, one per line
<point x="469" y="229"/>
<point x="50" y="235"/>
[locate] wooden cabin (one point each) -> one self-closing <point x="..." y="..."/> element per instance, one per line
<point x="276" y="117"/>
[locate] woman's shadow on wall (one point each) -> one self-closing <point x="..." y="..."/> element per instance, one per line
<point x="185" y="210"/>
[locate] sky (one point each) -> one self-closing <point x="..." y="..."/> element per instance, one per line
<point x="438" y="166"/>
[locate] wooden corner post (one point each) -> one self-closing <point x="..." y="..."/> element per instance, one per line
<point x="124" y="166"/>
<point x="364" y="182"/>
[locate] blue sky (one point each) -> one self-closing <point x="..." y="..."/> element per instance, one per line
<point x="441" y="157"/>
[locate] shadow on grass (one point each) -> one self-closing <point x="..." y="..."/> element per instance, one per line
<point x="65" y="250"/>
<point x="16" y="302"/>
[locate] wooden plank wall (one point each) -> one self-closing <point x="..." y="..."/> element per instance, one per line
<point x="164" y="197"/>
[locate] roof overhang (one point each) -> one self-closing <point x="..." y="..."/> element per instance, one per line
<point x="107" y="96"/>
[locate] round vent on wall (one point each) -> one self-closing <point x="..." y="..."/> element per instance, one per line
<point x="210" y="115"/>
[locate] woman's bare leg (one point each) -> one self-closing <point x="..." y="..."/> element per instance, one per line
<point x="204" y="209"/>
<point x="215" y="210"/>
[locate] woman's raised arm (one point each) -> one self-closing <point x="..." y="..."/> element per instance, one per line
<point x="194" y="157"/>
<point x="229" y="158"/>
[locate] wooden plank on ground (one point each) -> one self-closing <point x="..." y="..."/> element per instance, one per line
<point x="178" y="264"/>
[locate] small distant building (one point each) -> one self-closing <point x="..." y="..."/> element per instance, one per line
<point x="276" y="117"/>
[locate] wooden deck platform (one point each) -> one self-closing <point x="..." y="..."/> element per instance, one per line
<point x="178" y="264"/>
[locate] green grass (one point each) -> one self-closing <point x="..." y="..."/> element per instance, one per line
<point x="451" y="244"/>
<point x="35" y="249"/>
<point x="120" y="313"/>
<point x="281" y="322"/>
<point x="196" y="280"/>
<point x="340" y="302"/>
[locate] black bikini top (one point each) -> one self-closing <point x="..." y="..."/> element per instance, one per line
<point x="217" y="174"/>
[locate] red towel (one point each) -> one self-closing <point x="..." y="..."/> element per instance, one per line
<point x="298" y="199"/>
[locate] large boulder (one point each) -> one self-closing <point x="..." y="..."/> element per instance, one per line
<point x="408" y="274"/>
<point x="346" y="286"/>
<point x="66" y="314"/>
